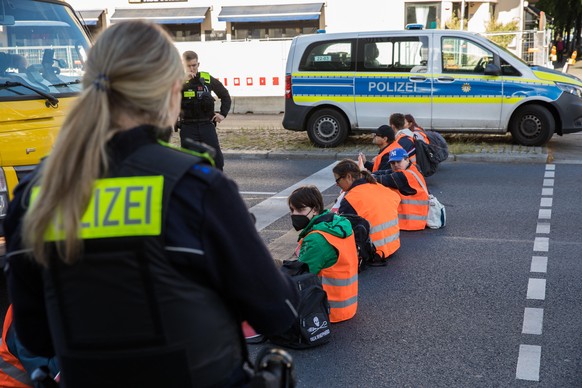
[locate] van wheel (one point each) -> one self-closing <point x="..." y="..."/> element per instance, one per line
<point x="532" y="125"/>
<point x="327" y="128"/>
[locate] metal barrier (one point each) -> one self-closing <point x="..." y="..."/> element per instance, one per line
<point x="34" y="55"/>
<point x="532" y="46"/>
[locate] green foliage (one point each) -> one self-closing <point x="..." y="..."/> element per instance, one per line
<point x="454" y="23"/>
<point x="493" y="26"/>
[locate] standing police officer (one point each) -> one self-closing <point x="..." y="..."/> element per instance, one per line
<point x="198" y="119"/>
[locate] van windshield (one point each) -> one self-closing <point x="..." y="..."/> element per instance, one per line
<point x="42" y="45"/>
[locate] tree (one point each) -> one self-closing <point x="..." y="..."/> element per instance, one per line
<point x="567" y="18"/>
<point x="495" y="26"/>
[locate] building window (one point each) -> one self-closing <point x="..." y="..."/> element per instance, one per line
<point x="184" y="32"/>
<point x="215" y="35"/>
<point x="273" y="30"/>
<point x="427" y="14"/>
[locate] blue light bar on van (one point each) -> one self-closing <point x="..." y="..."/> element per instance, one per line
<point x="414" y="26"/>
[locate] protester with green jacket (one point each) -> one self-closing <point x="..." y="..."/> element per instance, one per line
<point x="308" y="215"/>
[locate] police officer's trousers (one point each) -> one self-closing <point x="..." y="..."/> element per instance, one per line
<point x="205" y="132"/>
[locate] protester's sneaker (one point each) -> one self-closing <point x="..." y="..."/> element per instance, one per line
<point x="251" y="336"/>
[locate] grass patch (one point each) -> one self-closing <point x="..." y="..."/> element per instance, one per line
<point x="279" y="139"/>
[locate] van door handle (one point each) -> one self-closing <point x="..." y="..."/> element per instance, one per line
<point x="417" y="78"/>
<point x="445" y="79"/>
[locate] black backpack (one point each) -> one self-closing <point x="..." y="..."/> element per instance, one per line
<point x="312" y="326"/>
<point x="367" y="253"/>
<point x="428" y="156"/>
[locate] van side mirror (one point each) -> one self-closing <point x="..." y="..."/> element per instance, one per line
<point x="492" y="69"/>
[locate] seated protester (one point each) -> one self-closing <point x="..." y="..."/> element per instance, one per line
<point x="384" y="138"/>
<point x="417" y="130"/>
<point x="328" y="247"/>
<point x="404" y="136"/>
<point x="372" y="201"/>
<point x="405" y="177"/>
<point x="17" y="363"/>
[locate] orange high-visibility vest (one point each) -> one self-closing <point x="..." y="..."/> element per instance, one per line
<point x="340" y="281"/>
<point x="413" y="209"/>
<point x="379" y="206"/>
<point x="385" y="151"/>
<point x="12" y="373"/>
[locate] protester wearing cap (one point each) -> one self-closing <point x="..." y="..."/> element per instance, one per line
<point x="405" y="177"/>
<point x="384" y="138"/>
<point x="370" y="200"/>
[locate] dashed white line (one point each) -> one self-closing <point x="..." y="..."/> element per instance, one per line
<point x="536" y="289"/>
<point x="546" y="202"/>
<point x="541" y="244"/>
<point x="548" y="183"/>
<point x="539" y="264"/>
<point x="543" y="228"/>
<point x="533" y="319"/>
<point x="528" y="362"/>
<point x="547" y="191"/>
<point x="549" y="174"/>
<point x="545" y="214"/>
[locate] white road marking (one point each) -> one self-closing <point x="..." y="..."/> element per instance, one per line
<point x="533" y="319"/>
<point x="548" y="182"/>
<point x="549" y="174"/>
<point x="546" y="202"/>
<point x="536" y="289"/>
<point x="547" y="191"/>
<point x="539" y="264"/>
<point x="543" y="228"/>
<point x="275" y="207"/>
<point x="257" y="193"/>
<point x="541" y="244"/>
<point x="528" y="362"/>
<point x="545" y="214"/>
<point x="550" y="167"/>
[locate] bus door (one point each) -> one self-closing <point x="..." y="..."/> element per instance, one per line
<point x="392" y="77"/>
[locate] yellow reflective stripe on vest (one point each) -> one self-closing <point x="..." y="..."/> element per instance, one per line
<point x="189" y="93"/>
<point x="120" y="207"/>
<point x="205" y="76"/>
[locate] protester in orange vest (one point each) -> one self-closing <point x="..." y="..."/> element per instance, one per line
<point x="417" y="130"/>
<point x="17" y="364"/>
<point x="384" y="138"/>
<point x="372" y="201"/>
<point x="405" y="177"/>
<point x="404" y="136"/>
<point x="328" y="247"/>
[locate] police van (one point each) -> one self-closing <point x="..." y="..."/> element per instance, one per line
<point x="450" y="81"/>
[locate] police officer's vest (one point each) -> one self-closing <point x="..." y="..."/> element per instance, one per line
<point x="197" y="100"/>
<point x="128" y="313"/>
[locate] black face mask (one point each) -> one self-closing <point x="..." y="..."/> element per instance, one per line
<point x="299" y="221"/>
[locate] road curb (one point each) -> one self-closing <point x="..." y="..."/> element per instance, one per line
<point x="538" y="155"/>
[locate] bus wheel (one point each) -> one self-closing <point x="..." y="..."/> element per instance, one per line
<point x="327" y="128"/>
<point x="532" y="125"/>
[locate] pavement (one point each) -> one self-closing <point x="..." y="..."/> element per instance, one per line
<point x="560" y="149"/>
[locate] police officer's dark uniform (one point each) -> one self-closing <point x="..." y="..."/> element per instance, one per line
<point x="198" y="110"/>
<point x="151" y="310"/>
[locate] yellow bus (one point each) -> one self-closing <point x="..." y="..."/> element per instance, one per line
<point x="43" y="47"/>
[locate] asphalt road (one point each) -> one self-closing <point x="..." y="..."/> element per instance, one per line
<point x="449" y="310"/>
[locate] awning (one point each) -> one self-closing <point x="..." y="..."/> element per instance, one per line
<point x="162" y="15"/>
<point x="271" y="13"/>
<point x="90" y="17"/>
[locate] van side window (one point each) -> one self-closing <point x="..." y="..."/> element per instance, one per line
<point x="507" y="69"/>
<point x="329" y="55"/>
<point x="460" y="55"/>
<point x="393" y="54"/>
